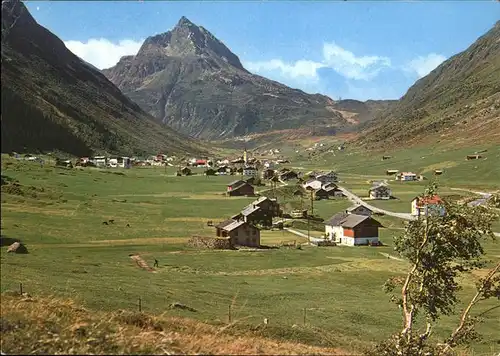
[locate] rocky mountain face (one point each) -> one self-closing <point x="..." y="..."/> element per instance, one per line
<point x="191" y="81"/>
<point x="459" y="101"/>
<point x="52" y="100"/>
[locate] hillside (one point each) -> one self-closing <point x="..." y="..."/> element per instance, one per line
<point x="29" y="324"/>
<point x="190" y="80"/>
<point x="52" y="100"/>
<point x="459" y="101"/>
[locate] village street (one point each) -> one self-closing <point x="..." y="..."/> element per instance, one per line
<point x="357" y="200"/>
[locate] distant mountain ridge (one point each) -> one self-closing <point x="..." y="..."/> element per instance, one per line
<point x="190" y="80"/>
<point x="53" y="100"/>
<point x="457" y="101"/>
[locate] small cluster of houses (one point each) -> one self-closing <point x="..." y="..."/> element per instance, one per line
<point x="124" y="162"/>
<point x="322" y="185"/>
<point x="407" y="176"/>
<point x="241" y="229"/>
<point x="356" y="226"/>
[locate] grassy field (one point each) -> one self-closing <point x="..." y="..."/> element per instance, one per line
<point x="58" y="214"/>
<point x="458" y="172"/>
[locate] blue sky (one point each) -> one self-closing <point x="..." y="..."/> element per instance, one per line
<point x="348" y="49"/>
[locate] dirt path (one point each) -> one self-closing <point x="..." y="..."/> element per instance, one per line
<point x="391" y="257"/>
<point x="141" y="263"/>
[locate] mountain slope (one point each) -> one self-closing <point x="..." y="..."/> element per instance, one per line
<point x="191" y="81"/>
<point x="52" y="100"/>
<point x="458" y="101"/>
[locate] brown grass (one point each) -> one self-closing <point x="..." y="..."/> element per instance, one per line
<point x="36" y="210"/>
<point x="54" y="326"/>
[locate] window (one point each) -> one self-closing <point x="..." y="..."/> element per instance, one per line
<point x="236" y="233"/>
<point x="254" y="232"/>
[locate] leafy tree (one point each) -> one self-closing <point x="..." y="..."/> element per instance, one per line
<point x="440" y="249"/>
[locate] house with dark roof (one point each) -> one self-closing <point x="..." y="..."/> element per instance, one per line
<point x="261" y="211"/>
<point x="240" y="188"/>
<point x="380" y="192"/>
<point x="267" y="173"/>
<point x="327" y="177"/>
<point x="359" y="210"/>
<point x="288" y="175"/>
<point x="224" y="170"/>
<point x="320" y="194"/>
<point x="185" y="171"/>
<point x="239" y="233"/>
<point x="422" y="206"/>
<point x="352" y="229"/>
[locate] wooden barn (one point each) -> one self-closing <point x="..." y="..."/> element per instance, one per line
<point x="240" y="188"/>
<point x="239" y="233"/>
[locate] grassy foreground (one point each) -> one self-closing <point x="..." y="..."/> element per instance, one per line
<point x="58" y="214"/>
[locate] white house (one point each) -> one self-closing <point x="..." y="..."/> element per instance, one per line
<point x="113" y="162"/>
<point x="250" y="171"/>
<point x="380" y="191"/>
<point x="352" y="229"/>
<point x="124" y="162"/>
<point x="312" y="184"/>
<point x="99" y="161"/>
<point x="427" y="205"/>
<point x="407" y="176"/>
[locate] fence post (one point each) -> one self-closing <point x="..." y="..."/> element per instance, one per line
<point x="305" y="314"/>
<point x="229" y="313"/>
<point x="21" y="288"/>
<point x="140" y="304"/>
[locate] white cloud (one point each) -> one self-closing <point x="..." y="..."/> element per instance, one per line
<point x="347" y="64"/>
<point x="335" y="57"/>
<point x="423" y="65"/>
<point x="103" y="53"/>
<point x="302" y="68"/>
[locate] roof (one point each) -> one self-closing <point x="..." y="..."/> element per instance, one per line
<point x="250" y="209"/>
<point x="310" y="181"/>
<point x="352" y="208"/>
<point x="260" y="200"/>
<point x="330" y="188"/>
<point x="408" y="174"/>
<point x="238" y="181"/>
<point x="225" y="223"/>
<point x="348" y="220"/>
<point x="353" y="220"/>
<point x="336" y="219"/>
<point x="233" y="225"/>
<point x="421" y="201"/>
<point x="378" y="186"/>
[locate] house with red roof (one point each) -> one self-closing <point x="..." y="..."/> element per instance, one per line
<point x="201" y="163"/>
<point x="434" y="205"/>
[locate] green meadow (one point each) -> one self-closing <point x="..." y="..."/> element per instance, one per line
<point x="58" y="214"/>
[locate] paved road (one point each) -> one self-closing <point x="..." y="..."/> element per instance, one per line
<point x="354" y="198"/>
<point x="298" y="233"/>
<point x="480" y="201"/>
<point x="405" y="216"/>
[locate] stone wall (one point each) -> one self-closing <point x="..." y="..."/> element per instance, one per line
<point x="213" y="243"/>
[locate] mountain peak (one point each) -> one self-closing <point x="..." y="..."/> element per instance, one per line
<point x="184" y="21"/>
<point x="189" y="40"/>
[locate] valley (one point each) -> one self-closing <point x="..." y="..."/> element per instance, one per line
<point x="177" y="203"/>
